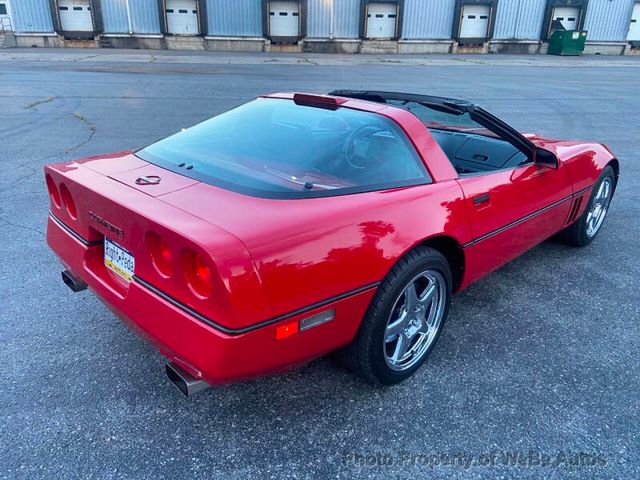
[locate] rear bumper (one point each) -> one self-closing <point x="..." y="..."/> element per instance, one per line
<point x="206" y="352"/>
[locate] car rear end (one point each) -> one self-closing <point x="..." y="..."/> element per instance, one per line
<point x="187" y="285"/>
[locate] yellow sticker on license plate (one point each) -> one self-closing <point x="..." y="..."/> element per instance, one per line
<point x="118" y="259"/>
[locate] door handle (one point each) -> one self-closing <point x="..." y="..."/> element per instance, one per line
<point x="480" y="199"/>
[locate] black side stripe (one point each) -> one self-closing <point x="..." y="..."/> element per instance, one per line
<point x="208" y="321"/>
<point x="73" y="233"/>
<point x="239" y="331"/>
<point x="525" y="218"/>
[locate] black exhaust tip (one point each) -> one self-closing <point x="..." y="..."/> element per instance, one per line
<point x="73" y="282"/>
<point x="186" y="383"/>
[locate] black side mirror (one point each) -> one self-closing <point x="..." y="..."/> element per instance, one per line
<point x="546" y="158"/>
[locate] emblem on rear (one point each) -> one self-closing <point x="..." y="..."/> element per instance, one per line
<point x="148" y="180"/>
<point x="109" y="226"/>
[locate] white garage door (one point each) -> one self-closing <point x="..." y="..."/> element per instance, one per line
<point x="634" y="28"/>
<point x="568" y="16"/>
<point x="75" y="15"/>
<point x="381" y="20"/>
<point x="5" y="16"/>
<point x="283" y="19"/>
<point x="475" y="21"/>
<point x="182" y="17"/>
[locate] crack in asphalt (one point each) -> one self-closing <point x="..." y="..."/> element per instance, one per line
<point x="33" y="105"/>
<point x="307" y="60"/>
<point x="80" y="59"/>
<point x="23" y="227"/>
<point x="20" y="180"/>
<point x="92" y="130"/>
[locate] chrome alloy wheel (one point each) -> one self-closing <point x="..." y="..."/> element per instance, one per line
<point x="414" y="321"/>
<point x="599" y="207"/>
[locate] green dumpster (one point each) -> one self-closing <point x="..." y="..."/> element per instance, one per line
<point x="567" y="42"/>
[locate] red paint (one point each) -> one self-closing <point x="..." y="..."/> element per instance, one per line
<point x="239" y="260"/>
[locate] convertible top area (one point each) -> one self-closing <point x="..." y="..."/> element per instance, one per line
<point x="386" y="97"/>
<point x="473" y="140"/>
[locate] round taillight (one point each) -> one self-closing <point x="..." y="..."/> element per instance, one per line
<point x="197" y="273"/>
<point x="53" y="191"/>
<point x="68" y="202"/>
<point x="160" y="254"/>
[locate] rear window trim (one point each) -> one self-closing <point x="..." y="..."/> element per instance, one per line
<point x="426" y="178"/>
<point x="292" y="195"/>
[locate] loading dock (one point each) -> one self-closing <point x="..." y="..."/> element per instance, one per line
<point x="75" y="15"/>
<point x="570" y="13"/>
<point x="182" y="17"/>
<point x="284" y="21"/>
<point x="381" y="20"/>
<point x="475" y="21"/>
<point x="567" y="16"/>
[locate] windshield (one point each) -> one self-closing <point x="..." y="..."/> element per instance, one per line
<point x="278" y="149"/>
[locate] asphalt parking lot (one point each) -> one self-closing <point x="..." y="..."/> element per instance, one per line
<point x="539" y="359"/>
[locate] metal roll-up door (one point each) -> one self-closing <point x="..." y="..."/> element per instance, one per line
<point x="182" y="17"/>
<point x="381" y="20"/>
<point x="475" y="21"/>
<point x="75" y="15"/>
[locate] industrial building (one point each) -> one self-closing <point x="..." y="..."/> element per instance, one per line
<point x="342" y="26"/>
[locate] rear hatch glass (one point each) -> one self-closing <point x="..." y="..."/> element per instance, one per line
<point x="275" y="148"/>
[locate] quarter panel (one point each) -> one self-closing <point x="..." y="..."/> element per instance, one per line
<point x="309" y="250"/>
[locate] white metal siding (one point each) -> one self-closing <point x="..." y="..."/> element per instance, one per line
<point x="608" y="20"/>
<point x="234" y="18"/>
<point x="31" y="16"/>
<point x="346" y="18"/>
<point x="114" y="16"/>
<point x="428" y="19"/>
<point x="519" y="19"/>
<point x="319" y="13"/>
<point x="145" y="17"/>
<point x="333" y="18"/>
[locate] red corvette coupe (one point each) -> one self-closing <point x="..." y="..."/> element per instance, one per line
<point x="300" y="224"/>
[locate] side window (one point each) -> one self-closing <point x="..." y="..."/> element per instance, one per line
<point x="470" y="147"/>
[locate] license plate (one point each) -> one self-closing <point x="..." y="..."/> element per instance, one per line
<point x="118" y="259"/>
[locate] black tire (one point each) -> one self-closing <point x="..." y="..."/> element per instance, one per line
<point x="365" y="355"/>
<point x="576" y="233"/>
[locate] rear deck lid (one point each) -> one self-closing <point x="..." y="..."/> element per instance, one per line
<point x="154" y="180"/>
<point x="127" y="168"/>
